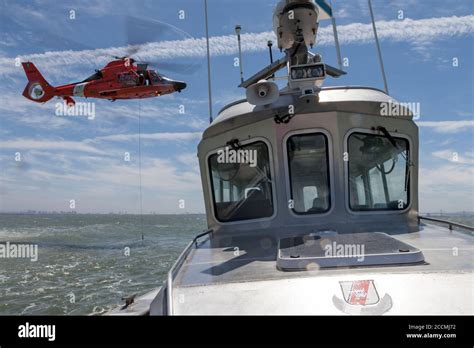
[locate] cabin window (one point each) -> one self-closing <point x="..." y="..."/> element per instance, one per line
<point x="309" y="173"/>
<point x="378" y="172"/>
<point x="241" y="182"/>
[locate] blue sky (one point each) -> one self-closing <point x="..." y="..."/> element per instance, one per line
<point x="65" y="158"/>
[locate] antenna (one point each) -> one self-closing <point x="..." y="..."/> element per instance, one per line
<point x="238" y="28"/>
<point x="336" y="38"/>
<point x="140" y="166"/>
<point x="208" y="64"/>
<point x="378" y="47"/>
<point x="270" y="44"/>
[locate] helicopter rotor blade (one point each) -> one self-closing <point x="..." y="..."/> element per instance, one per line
<point x="178" y="68"/>
<point x="142" y="31"/>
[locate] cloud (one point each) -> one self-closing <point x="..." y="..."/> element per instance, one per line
<point x="188" y="158"/>
<point x="178" y="136"/>
<point x="417" y="32"/>
<point x="108" y="116"/>
<point x="102" y="184"/>
<point x="29" y="144"/>
<point x="447" y="126"/>
<point x="448" y="187"/>
<point x="454" y="156"/>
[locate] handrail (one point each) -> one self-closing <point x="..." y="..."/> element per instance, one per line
<point x="179" y="261"/>
<point x="450" y="223"/>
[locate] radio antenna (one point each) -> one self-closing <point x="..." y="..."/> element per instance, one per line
<point x="336" y="38"/>
<point x="379" y="51"/>
<point x="270" y="44"/>
<point x="140" y="166"/>
<point x="238" y="28"/>
<point x="208" y="64"/>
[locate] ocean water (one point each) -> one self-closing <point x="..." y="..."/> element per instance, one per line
<point x="83" y="267"/>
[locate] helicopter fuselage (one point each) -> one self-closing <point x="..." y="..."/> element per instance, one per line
<point x="119" y="79"/>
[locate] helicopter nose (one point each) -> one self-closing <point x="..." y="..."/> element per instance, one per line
<point x="179" y="85"/>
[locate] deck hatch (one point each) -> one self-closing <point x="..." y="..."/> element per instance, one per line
<point x="344" y="250"/>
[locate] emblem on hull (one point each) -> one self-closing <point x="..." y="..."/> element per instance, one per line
<point x="360" y="292"/>
<point x="361" y="297"/>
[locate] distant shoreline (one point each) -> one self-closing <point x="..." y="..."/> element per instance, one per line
<point x="462" y="213"/>
<point x="105" y="214"/>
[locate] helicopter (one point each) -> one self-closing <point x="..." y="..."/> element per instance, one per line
<point x="122" y="78"/>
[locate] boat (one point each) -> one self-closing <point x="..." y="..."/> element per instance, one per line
<point x="311" y="197"/>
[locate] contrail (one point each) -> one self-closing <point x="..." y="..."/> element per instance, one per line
<point x="411" y="31"/>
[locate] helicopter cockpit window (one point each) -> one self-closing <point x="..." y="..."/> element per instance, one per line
<point x="241" y="182"/>
<point x="155" y="78"/>
<point x="96" y="76"/>
<point x="378" y="172"/>
<point x="309" y="173"/>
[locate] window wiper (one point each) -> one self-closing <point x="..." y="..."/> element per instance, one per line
<point x="234" y="144"/>
<point x="388" y="136"/>
<point x="407" y="173"/>
<point x="407" y="157"/>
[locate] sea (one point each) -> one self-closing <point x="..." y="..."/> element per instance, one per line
<point x="86" y="263"/>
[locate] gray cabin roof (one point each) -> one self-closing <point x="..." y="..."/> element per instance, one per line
<point x="365" y="100"/>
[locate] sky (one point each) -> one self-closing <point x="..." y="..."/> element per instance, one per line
<point x="46" y="161"/>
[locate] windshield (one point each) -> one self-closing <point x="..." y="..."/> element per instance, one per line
<point x="97" y="75"/>
<point x="309" y="173"/>
<point x="378" y="172"/>
<point x="241" y="182"/>
<point x="155" y="78"/>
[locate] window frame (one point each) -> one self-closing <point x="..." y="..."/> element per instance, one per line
<point x="346" y="173"/>
<point x="272" y="173"/>
<point x="330" y="161"/>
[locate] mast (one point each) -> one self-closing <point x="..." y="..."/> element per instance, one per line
<point x="379" y="51"/>
<point x="208" y="63"/>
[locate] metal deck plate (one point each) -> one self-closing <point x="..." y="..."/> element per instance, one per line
<point x="344" y="250"/>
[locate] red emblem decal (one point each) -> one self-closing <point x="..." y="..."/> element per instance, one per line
<point x="359" y="292"/>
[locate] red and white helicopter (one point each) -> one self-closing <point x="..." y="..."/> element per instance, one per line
<point x="122" y="78"/>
